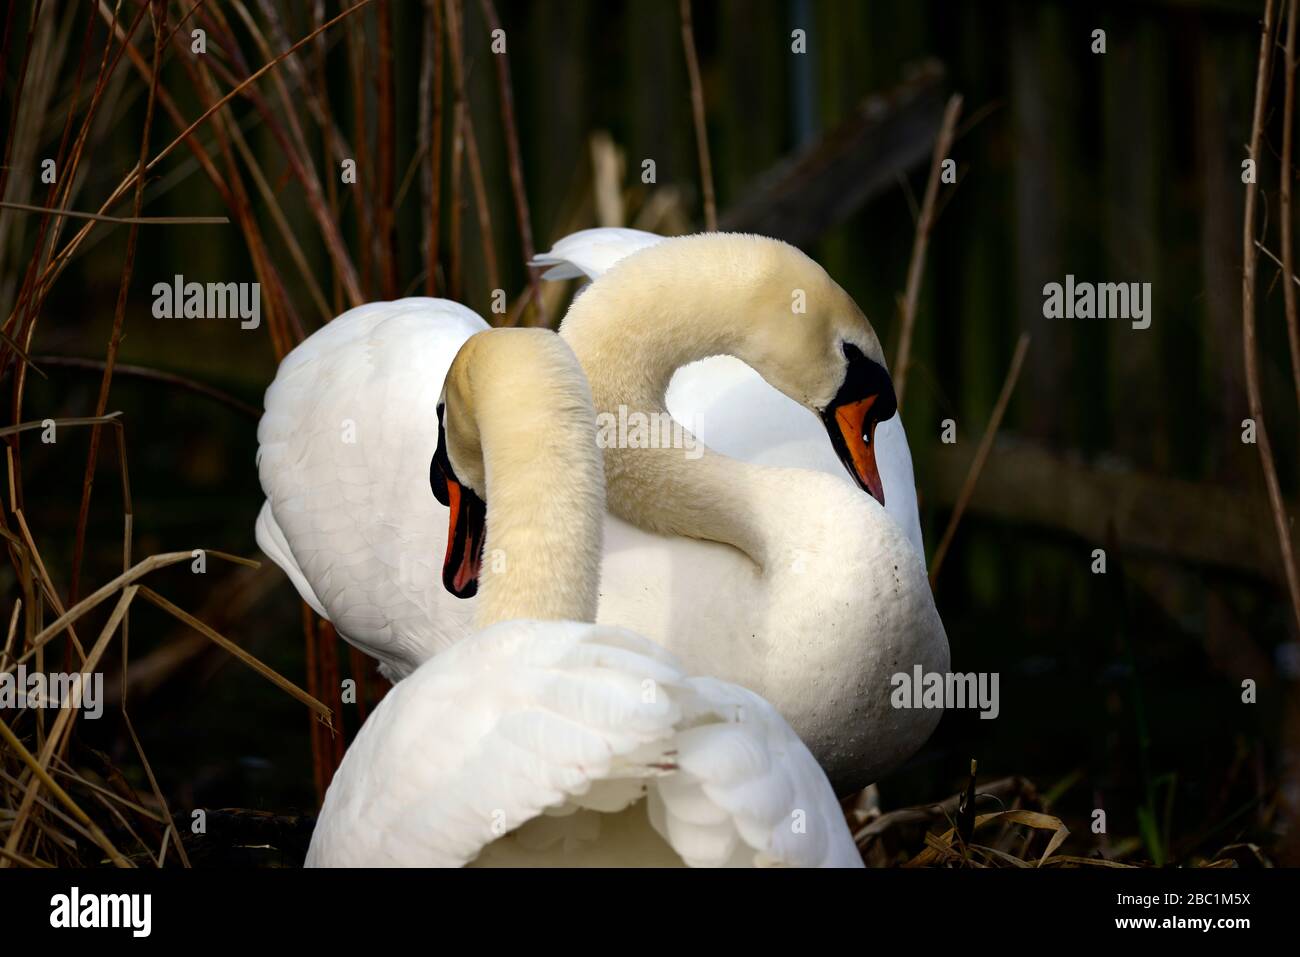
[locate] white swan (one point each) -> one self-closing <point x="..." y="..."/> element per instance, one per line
<point x="555" y="742"/>
<point x="806" y="591"/>
<point x="822" y="594"/>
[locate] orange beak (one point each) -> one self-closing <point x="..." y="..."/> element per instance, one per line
<point x="865" y="397"/>
<point x="466" y="523"/>
<point x="856" y="445"/>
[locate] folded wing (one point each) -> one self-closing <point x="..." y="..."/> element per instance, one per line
<point x="555" y="743"/>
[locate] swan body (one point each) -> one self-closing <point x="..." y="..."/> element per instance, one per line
<point x="560" y="742"/>
<point x="826" y="593"/>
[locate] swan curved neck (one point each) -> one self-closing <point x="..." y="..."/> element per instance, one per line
<point x="521" y="431"/>
<point x="630" y="345"/>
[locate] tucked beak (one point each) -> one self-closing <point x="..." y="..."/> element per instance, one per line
<point x="465" y="534"/>
<point x="467" y="523"/>
<point x="865" y="398"/>
<point x="855" y="430"/>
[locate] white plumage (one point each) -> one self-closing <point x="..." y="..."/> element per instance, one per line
<point x="560" y="743"/>
<point x="590" y="252"/>
<point x="344" y="449"/>
<point x="544" y="739"/>
<point x="346" y="442"/>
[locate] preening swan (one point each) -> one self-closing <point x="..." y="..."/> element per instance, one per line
<point x="825" y="596"/>
<point x="731" y="408"/>
<point x="560" y="741"/>
<point x="788" y="581"/>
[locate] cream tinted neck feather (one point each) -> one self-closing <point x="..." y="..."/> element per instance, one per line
<point x="637" y="325"/>
<point x="521" y="432"/>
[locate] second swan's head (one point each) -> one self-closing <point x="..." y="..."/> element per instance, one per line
<point x="518" y="469"/>
<point x="756" y="298"/>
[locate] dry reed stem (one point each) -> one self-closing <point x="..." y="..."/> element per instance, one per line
<point x="386" y="132"/>
<point x="34" y="284"/>
<point x="59" y="262"/>
<point x="59" y="199"/>
<point x="282" y="323"/>
<point x="13" y="633"/>
<point x="119" y="313"/>
<point x="1276" y="261"/>
<point x="920" y="242"/>
<point x="61" y="730"/>
<point x="455" y="266"/>
<point x="61" y="193"/>
<point x="46" y="582"/>
<point x="361" y="140"/>
<point x="431" y="123"/>
<point x="295" y="149"/>
<point x="336" y="144"/>
<point x="128" y="220"/>
<point x="510" y="127"/>
<point x="981" y="454"/>
<point x="18" y="858"/>
<point x="16" y="347"/>
<point x="287" y="234"/>
<point x="157" y="791"/>
<point x="272" y="202"/>
<point x="333" y="143"/>
<point x="110" y="418"/>
<point x="113" y="419"/>
<point x="200" y="154"/>
<point x="155" y="375"/>
<point x="277" y="311"/>
<point x="332" y="685"/>
<point x="482" y="212"/>
<point x="99" y="595"/>
<point x="315" y="731"/>
<point x="1249" y="341"/>
<point x="64" y="798"/>
<point x="130" y="805"/>
<point x="32" y="295"/>
<point x="697" y="111"/>
<point x="1288" y="176"/>
<point x="267" y="672"/>
<point x="63" y="723"/>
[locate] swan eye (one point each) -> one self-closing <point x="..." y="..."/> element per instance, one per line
<point x="866" y="438"/>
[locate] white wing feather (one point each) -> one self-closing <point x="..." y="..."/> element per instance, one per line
<point x="590" y="252"/>
<point x="344" y="451"/>
<point x="271" y="540"/>
<point x="535" y="742"/>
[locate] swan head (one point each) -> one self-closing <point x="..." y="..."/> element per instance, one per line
<point x="763" y="301"/>
<point x="467" y="513"/>
<point x="522" y="479"/>
<point x="457" y="475"/>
